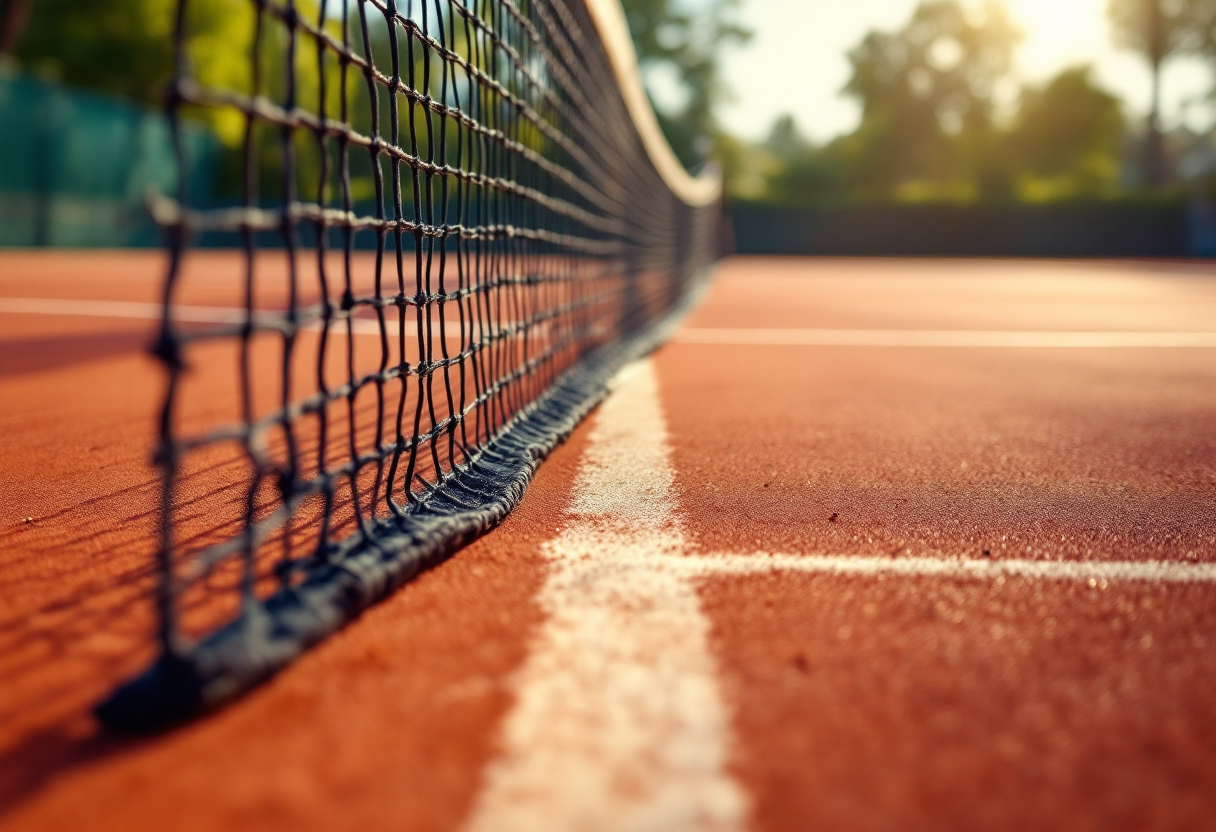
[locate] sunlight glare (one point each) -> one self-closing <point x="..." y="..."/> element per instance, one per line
<point x="1055" y="28"/>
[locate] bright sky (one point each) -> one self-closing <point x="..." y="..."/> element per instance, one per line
<point x="796" y="61"/>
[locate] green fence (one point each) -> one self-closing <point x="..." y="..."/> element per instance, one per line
<point x="1097" y="229"/>
<point x="76" y="168"/>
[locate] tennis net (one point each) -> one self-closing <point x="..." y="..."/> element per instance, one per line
<point x="456" y="220"/>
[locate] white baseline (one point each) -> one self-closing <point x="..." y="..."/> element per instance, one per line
<point x="185" y="314"/>
<point x="618" y="722"/>
<point x="706" y="336"/>
<point x="943" y="338"/>
<point x="965" y="568"/>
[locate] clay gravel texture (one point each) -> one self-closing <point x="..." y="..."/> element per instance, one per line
<point x="864" y="702"/>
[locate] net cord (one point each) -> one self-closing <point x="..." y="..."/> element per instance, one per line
<point x="699" y="191"/>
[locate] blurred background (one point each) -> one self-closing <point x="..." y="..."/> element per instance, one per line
<point x="867" y="127"/>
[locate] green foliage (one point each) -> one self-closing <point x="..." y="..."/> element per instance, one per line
<point x="795" y="171"/>
<point x="125" y="48"/>
<point x="929" y="131"/>
<point x="1159" y="28"/>
<point x="926" y="94"/>
<point x="1068" y="137"/>
<point x="120" y="47"/>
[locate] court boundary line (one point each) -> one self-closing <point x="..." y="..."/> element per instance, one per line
<point x="1152" y="571"/>
<point x="945" y="338"/>
<point x="620" y="672"/>
<point x="182" y="314"/>
<point x="618" y="722"/>
<point x="706" y="336"/>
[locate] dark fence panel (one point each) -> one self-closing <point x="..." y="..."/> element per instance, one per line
<point x="76" y="168"/>
<point x="1114" y="229"/>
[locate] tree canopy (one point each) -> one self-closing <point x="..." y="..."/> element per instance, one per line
<point x="120" y="47"/>
<point x="1158" y="30"/>
<point x="926" y="92"/>
<point x="941" y="117"/>
<point x="931" y="127"/>
<point x="1068" y="136"/>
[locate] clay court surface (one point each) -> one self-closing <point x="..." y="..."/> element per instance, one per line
<point x="872" y="544"/>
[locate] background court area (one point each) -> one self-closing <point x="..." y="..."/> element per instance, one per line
<point x="819" y="459"/>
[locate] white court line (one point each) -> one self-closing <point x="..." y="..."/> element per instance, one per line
<point x="724" y="337"/>
<point x="181" y="313"/>
<point x="119" y="309"/>
<point x="1059" y="570"/>
<point x="942" y="338"/>
<point x="618" y="722"/>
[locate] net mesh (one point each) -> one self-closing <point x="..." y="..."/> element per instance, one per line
<point x="451" y="233"/>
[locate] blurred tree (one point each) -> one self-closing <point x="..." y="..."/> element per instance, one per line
<point x="798" y="172"/>
<point x="668" y="36"/>
<point x="1159" y="29"/>
<point x="785" y="140"/>
<point x="926" y="94"/>
<point x="125" y="47"/>
<point x="929" y="129"/>
<point x="120" y="47"/>
<point x="1068" y="137"/>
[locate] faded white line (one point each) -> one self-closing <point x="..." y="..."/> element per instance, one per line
<point x="618" y="722"/>
<point x="153" y="311"/>
<point x="943" y="338"/>
<point x="181" y="314"/>
<point x="986" y="569"/>
<point x="119" y="309"/>
<point x="706" y="336"/>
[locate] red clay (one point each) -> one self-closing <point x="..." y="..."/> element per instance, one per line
<point x="906" y="704"/>
<point x="877" y="704"/>
<point x="859" y="703"/>
<point x="1084" y="453"/>
<point x="1031" y="453"/>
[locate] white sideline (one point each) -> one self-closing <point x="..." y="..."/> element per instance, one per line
<point x="153" y="311"/>
<point x="1059" y="570"/>
<point x="707" y="336"/>
<point x="118" y="309"/>
<point x="618" y="722"/>
<point x="942" y="338"/>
